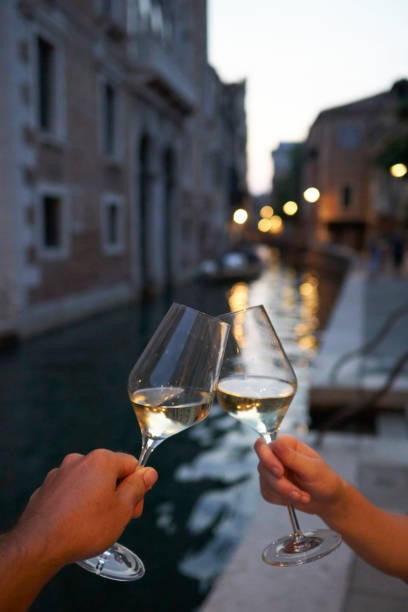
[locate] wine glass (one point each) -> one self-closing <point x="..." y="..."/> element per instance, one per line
<point x="256" y="386"/>
<point x="171" y="387"/>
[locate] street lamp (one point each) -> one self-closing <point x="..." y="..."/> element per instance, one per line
<point x="266" y="211"/>
<point x="311" y="194"/>
<point x="398" y="170"/>
<point x="290" y="208"/>
<point x="276" y="224"/>
<point x="264" y="225"/>
<point x="240" y="216"/>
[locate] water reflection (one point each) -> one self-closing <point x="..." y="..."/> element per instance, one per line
<point x="66" y="391"/>
<point x="292" y="302"/>
<point x="226" y="509"/>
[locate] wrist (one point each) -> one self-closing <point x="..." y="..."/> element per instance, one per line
<point x="337" y="512"/>
<point x="31" y="547"/>
<point x="24" y="569"/>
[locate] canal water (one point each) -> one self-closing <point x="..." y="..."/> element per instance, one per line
<point x="65" y="391"/>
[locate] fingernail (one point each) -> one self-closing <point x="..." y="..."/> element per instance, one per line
<point x="149" y="476"/>
<point x="277" y="472"/>
<point x="295" y="495"/>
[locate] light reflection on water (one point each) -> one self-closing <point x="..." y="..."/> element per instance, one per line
<point x="292" y="304"/>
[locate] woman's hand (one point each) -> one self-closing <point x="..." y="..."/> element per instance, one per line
<point x="293" y="473"/>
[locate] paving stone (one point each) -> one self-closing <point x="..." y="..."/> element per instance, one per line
<point x="363" y="602"/>
<point x="366" y="579"/>
<point x="385" y="485"/>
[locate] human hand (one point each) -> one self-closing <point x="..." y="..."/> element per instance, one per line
<point x="83" y="506"/>
<point x="293" y="473"/>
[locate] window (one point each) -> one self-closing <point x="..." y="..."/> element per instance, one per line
<point x="52" y="221"/>
<point x="112" y="224"/>
<point x="48" y="78"/>
<point x="110" y="121"/>
<point x="46" y="84"/>
<point x="347" y="193"/>
<point x="51" y="215"/>
<point x="313" y="153"/>
<point x="349" y="136"/>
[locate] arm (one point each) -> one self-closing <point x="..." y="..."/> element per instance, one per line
<point x="81" y="508"/>
<point x="293" y="473"/>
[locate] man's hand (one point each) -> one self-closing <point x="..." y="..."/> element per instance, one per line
<point x="83" y="506"/>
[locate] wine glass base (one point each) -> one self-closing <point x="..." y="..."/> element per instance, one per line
<point x="313" y="545"/>
<point x="117" y="563"/>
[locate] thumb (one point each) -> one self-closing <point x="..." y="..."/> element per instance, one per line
<point x="301" y="464"/>
<point x="135" y="486"/>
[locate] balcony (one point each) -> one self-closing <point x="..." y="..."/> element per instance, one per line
<point x="156" y="65"/>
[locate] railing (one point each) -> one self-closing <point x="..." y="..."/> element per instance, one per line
<point x="373" y="399"/>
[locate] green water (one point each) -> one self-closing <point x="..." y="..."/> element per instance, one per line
<point x="65" y="391"/>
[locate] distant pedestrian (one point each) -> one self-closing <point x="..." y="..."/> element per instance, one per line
<point x="397" y="249"/>
<point x="375" y="253"/>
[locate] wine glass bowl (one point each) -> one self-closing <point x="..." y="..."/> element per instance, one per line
<point x="256" y="386"/>
<point x="171" y="387"/>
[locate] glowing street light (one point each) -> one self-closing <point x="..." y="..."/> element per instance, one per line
<point x="311" y="194"/>
<point x="240" y="216"/>
<point x="264" y="225"/>
<point x="276" y="224"/>
<point x="290" y="208"/>
<point x="398" y="170"/>
<point x="266" y="211"/>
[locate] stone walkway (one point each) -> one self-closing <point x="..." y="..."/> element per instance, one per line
<point x="377" y="465"/>
<point x="363" y="307"/>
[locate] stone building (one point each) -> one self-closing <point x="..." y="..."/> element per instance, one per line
<point x="112" y="181"/>
<point x="342" y="159"/>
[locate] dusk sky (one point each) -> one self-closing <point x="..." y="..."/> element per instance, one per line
<point x="302" y="57"/>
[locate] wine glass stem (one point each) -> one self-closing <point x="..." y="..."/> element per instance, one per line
<point x="297" y="532"/>
<point x="148" y="446"/>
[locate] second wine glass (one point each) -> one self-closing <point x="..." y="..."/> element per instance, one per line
<point x="171" y="387"/>
<point x="256" y="386"/>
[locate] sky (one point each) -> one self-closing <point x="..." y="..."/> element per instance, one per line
<point x="300" y="57"/>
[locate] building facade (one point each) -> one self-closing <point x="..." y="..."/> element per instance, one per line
<point x="342" y="159"/>
<point x="104" y="155"/>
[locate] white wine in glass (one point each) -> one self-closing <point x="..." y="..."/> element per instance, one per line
<point x="171" y="387"/>
<point x="256" y="386"/>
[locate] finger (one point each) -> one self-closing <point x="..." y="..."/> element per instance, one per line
<point x="282" y="487"/>
<point x="268" y="458"/>
<point x="272" y="498"/>
<point x="71" y="459"/>
<point x="51" y="475"/>
<point x="134" y="487"/>
<point x="302" y="465"/>
<point x="125" y="465"/>
<point x="138" y="509"/>
<point x="34" y="495"/>
<point x="298" y="445"/>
